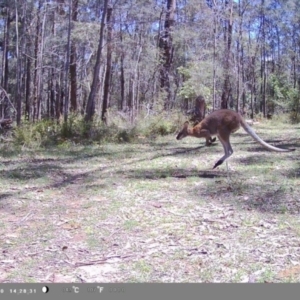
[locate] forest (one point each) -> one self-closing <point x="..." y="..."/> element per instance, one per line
<point x="100" y="60"/>
<point x="97" y="180"/>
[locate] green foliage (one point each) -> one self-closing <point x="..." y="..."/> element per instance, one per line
<point x="75" y="127"/>
<point x="113" y="134"/>
<point x="50" y="132"/>
<point x="196" y="81"/>
<point x="285" y="97"/>
<point x="159" y="125"/>
<point x="295" y="106"/>
<point x="163" y="127"/>
<point x="34" y="135"/>
<point x="283" y="94"/>
<point x="282" y="118"/>
<point x="295" y="117"/>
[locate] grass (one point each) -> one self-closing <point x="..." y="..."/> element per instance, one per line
<point x="153" y="211"/>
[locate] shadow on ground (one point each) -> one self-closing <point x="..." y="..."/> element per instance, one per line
<point x="259" y="160"/>
<point x="245" y="196"/>
<point x="157" y="174"/>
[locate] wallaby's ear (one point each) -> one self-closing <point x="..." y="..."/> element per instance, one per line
<point x="186" y="124"/>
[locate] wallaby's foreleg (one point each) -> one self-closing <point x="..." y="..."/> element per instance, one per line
<point x="209" y="141"/>
<point x="207" y="135"/>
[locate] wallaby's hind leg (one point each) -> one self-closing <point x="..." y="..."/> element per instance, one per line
<point x="224" y="139"/>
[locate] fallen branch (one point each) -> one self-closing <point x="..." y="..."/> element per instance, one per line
<point x="99" y="261"/>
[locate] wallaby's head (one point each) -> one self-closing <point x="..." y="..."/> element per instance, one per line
<point x="184" y="132"/>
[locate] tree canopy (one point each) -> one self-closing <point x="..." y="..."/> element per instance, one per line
<point x="88" y="57"/>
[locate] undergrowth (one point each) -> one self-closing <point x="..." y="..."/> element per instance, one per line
<point x="45" y="133"/>
<point x="119" y="129"/>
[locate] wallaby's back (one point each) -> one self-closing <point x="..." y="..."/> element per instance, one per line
<point x="220" y="120"/>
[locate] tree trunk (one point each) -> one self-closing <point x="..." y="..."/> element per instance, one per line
<point x="122" y="74"/>
<point x="90" y="107"/>
<point x="122" y="82"/>
<point x="226" y="93"/>
<point x="166" y="47"/>
<point x="5" y="70"/>
<point x="54" y="106"/>
<point x="73" y="62"/>
<point x="214" y="59"/>
<point x="28" y="87"/>
<point x="67" y="66"/>
<point x="41" y="69"/>
<point x="36" y="65"/>
<point x="108" y="66"/>
<point x="238" y="61"/>
<point x="263" y="60"/>
<point x="199" y="110"/>
<point x="18" y="69"/>
<point x="4" y="80"/>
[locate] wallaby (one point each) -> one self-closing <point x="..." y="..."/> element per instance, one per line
<point x="222" y="123"/>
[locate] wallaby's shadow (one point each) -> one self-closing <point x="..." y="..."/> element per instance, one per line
<point x="211" y="174"/>
<point x="179" y="173"/>
<point x="5" y="195"/>
<point x="181" y="151"/>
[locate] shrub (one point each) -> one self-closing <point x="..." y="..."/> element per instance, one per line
<point x="76" y="130"/>
<point x="34" y="135"/>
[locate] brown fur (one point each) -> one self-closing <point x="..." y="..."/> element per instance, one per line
<point x="222" y="123"/>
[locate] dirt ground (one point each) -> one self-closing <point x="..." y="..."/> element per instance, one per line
<point x="153" y="211"/>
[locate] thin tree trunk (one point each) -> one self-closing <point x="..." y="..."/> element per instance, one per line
<point x="54" y="106"/>
<point x="166" y="46"/>
<point x="41" y="69"/>
<point x="263" y="60"/>
<point x="5" y="52"/>
<point x="5" y="70"/>
<point x="243" y="81"/>
<point x="52" y="96"/>
<point x="18" y="73"/>
<point x="58" y="99"/>
<point x="67" y="67"/>
<point x="214" y="59"/>
<point x="48" y="94"/>
<point x="226" y="93"/>
<point x="122" y="74"/>
<point x="90" y="107"/>
<point x="108" y="66"/>
<point x="28" y="87"/>
<point x="73" y="63"/>
<point x="36" y="56"/>
<point x="238" y="59"/>
<point x="122" y="82"/>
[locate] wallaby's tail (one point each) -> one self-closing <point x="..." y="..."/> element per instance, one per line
<point x="251" y="132"/>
